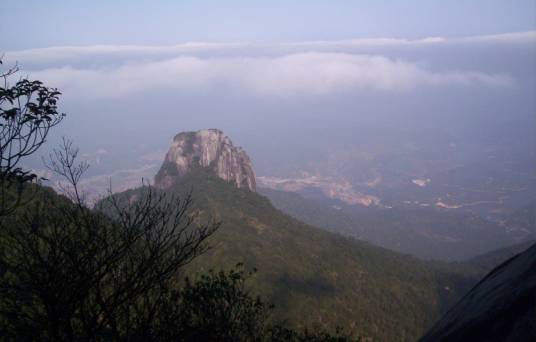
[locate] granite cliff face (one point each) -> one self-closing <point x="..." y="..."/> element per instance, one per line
<point x="209" y="148"/>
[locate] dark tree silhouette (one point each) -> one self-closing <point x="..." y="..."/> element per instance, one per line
<point x="28" y="110"/>
<point x="72" y="273"/>
<point x="68" y="272"/>
<point x="114" y="273"/>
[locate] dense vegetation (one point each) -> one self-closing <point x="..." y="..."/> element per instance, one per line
<point x="69" y="273"/>
<point x="316" y="278"/>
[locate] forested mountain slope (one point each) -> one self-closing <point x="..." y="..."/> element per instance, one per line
<point x="315" y="277"/>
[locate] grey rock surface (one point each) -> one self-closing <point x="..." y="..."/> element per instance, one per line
<point x="501" y="307"/>
<point x="209" y="148"/>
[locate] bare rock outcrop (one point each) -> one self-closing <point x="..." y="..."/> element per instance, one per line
<point x="501" y="307"/>
<point x="208" y="148"/>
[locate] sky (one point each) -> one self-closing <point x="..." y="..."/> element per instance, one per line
<point x="30" y="24"/>
<point x="289" y="81"/>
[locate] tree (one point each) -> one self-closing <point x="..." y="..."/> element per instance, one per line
<point x="73" y="273"/>
<point x="68" y="272"/>
<point x="218" y="307"/>
<point x="114" y="273"/>
<point x="28" y="110"/>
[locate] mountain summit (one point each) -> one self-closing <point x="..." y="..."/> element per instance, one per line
<point x="208" y="148"/>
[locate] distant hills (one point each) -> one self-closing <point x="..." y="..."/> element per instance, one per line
<point x="523" y="221"/>
<point x="490" y="260"/>
<point x="489" y="173"/>
<point x="429" y="233"/>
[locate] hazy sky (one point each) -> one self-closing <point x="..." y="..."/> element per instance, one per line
<point x="283" y="79"/>
<point x="28" y="24"/>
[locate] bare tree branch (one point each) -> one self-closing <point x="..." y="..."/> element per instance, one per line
<point x="93" y="268"/>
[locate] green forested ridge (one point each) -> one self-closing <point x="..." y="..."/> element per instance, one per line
<point x="69" y="273"/>
<point x="317" y="278"/>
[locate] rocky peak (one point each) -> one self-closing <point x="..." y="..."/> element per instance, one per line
<point x="209" y="148"/>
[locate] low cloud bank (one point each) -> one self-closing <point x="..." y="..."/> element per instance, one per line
<point x="316" y="68"/>
<point x="65" y="54"/>
<point x="311" y="73"/>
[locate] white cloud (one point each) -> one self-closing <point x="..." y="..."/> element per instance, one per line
<point x="512" y="38"/>
<point x="306" y="68"/>
<point x="311" y="73"/>
<point x="67" y="54"/>
<point x="515" y="37"/>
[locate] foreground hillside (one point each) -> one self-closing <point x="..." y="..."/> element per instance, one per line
<point x="319" y="278"/>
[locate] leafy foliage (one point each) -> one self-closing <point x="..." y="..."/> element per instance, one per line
<point x="69" y="273"/>
<point x="218" y="307"/>
<point x="28" y="110"/>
